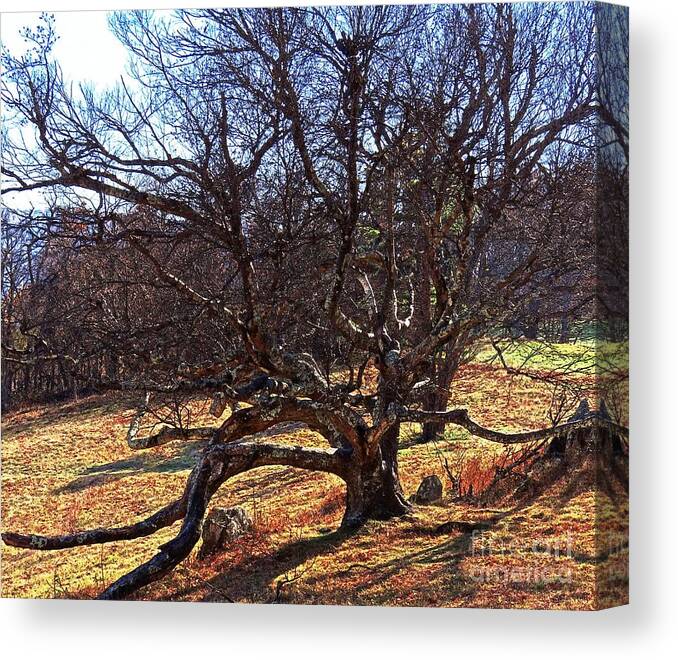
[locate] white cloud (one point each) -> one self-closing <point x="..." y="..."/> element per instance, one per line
<point x="87" y="50"/>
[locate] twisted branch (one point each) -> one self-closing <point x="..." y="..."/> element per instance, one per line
<point x="460" y="417"/>
<point x="217" y="464"/>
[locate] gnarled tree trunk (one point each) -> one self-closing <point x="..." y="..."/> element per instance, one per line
<point x="373" y="490"/>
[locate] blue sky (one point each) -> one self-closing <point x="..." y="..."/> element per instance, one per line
<point x="87" y="52"/>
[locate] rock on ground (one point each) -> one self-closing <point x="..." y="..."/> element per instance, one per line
<point x="223" y="526"/>
<point x="430" y="490"/>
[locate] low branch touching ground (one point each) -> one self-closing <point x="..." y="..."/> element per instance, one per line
<point x="460" y="417"/>
<point x="217" y="464"/>
<point x="179" y="547"/>
<point x="225" y="457"/>
<point x="167" y="434"/>
<point x="163" y="518"/>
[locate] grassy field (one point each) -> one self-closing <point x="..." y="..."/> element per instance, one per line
<point x="67" y="467"/>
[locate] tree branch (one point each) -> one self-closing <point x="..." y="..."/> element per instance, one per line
<point x="460" y="417"/>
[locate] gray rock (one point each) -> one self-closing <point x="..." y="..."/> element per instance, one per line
<point x="430" y="490"/>
<point x="223" y="526"/>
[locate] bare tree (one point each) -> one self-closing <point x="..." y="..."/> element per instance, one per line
<point x="293" y="198"/>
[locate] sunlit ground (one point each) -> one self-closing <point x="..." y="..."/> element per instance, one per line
<point x="67" y="467"/>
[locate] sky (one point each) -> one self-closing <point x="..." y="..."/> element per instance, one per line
<point x="87" y="50"/>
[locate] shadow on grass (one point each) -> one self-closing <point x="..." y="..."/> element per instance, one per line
<point x="271" y="577"/>
<point x="83" y="409"/>
<point x="106" y="473"/>
<point x="185" y="459"/>
<point x="250" y="579"/>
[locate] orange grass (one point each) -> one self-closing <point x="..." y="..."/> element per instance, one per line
<point x="67" y="467"/>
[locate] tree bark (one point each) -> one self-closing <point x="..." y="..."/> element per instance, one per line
<point x="438" y="398"/>
<point x="436" y="401"/>
<point x="373" y="490"/>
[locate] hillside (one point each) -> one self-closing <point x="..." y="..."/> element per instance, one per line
<point x="67" y="467"/>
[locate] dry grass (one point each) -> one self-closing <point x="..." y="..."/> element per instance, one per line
<point x="67" y="467"/>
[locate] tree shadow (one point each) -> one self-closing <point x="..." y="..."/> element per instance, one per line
<point x="250" y="579"/>
<point x="445" y="555"/>
<point x="97" y="475"/>
<point x="84" y="408"/>
<point x="266" y="578"/>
